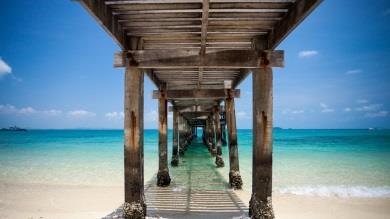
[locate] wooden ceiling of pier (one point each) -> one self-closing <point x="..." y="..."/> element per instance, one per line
<point x="198" y="44"/>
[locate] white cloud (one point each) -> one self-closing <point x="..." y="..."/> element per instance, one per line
<point x="325" y="108"/>
<point x="293" y="111"/>
<point x="7" y="108"/>
<point x="307" y="53"/>
<point x="4" y="68"/>
<point x="382" y="113"/>
<point x="81" y="113"/>
<point x="52" y="112"/>
<point x="347" y="109"/>
<point x="114" y="115"/>
<point x="369" y="108"/>
<point x="353" y="71"/>
<point x="27" y="110"/>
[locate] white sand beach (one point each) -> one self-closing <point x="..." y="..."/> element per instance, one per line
<point x="37" y="201"/>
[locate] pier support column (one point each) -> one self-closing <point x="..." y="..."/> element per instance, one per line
<point x="218" y="160"/>
<point x="163" y="178"/>
<point x="235" y="180"/>
<point x="134" y="206"/>
<point x="260" y="205"/>
<point x="175" y="148"/>
<point x="181" y="135"/>
<point x="213" y="149"/>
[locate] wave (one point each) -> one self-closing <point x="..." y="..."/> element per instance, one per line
<point x="339" y="191"/>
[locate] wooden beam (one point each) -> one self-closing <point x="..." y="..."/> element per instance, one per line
<point x="203" y="38"/>
<point x="193" y="108"/>
<point x="243" y="74"/>
<point x="184" y="59"/>
<point x="197" y="94"/>
<point x="104" y="16"/>
<point x="296" y="14"/>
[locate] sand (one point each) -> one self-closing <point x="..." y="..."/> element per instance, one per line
<point x="35" y="201"/>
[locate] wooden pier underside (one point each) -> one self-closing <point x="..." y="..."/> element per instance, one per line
<point x="197" y="52"/>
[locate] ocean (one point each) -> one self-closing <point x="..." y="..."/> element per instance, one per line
<point x="341" y="163"/>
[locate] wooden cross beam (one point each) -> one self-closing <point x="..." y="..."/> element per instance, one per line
<point x="188" y="58"/>
<point x="194" y="108"/>
<point x="295" y="15"/>
<point x="197" y="94"/>
<point x="103" y="15"/>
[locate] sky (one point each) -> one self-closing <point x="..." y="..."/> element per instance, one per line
<point x="56" y="70"/>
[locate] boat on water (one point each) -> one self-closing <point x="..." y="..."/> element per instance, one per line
<point x="14" y="129"/>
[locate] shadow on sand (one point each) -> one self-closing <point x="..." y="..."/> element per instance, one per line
<point x="197" y="191"/>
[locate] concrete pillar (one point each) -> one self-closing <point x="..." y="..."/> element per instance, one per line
<point x="134" y="206"/>
<point x="260" y="205"/>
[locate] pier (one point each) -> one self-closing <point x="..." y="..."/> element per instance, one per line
<point x="197" y="52"/>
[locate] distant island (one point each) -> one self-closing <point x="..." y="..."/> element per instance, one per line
<point x="13" y="128"/>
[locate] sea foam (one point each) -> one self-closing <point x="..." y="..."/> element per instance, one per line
<point x="339" y="191"/>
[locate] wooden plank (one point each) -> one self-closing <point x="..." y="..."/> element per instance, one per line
<point x="193" y="108"/>
<point x="104" y="16"/>
<point x="219" y="59"/>
<point x="196" y="94"/>
<point x="243" y="74"/>
<point x="251" y="5"/>
<point x="296" y="14"/>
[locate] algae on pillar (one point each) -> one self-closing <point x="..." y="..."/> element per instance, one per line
<point x="235" y="180"/>
<point x="134" y="206"/>
<point x="260" y="205"/>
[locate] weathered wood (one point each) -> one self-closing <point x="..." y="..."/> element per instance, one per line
<point x="175" y="148"/>
<point x="181" y="135"/>
<point x="105" y="18"/>
<point x="296" y="14"/>
<point x="119" y="59"/>
<point x="193" y="108"/>
<point x="217" y="121"/>
<point x="196" y="94"/>
<point x="213" y="148"/>
<point x="163" y="178"/>
<point x="133" y="147"/>
<point x="213" y="59"/>
<point x="235" y="180"/>
<point x="261" y="202"/>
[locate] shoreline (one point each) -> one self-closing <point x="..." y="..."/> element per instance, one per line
<point x="70" y="201"/>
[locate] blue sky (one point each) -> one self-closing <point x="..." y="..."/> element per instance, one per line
<point x="56" y="69"/>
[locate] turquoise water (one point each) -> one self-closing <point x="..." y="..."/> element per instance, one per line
<point x="346" y="163"/>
